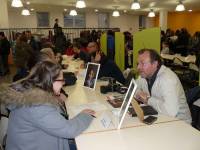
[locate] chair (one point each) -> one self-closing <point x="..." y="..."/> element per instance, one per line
<point x="193" y="95"/>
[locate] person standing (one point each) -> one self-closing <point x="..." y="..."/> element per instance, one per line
<point x="4" y="52"/>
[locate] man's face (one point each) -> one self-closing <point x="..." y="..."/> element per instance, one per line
<point x="145" y="67"/>
<point x="92" y="47"/>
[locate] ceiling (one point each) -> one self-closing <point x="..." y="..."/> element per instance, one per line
<point x="108" y="5"/>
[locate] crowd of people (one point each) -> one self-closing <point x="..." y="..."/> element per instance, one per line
<point x="38" y="117"/>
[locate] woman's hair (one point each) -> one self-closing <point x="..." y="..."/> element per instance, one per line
<point x="42" y="75"/>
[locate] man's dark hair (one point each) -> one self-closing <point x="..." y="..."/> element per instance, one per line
<point x="77" y="44"/>
<point x="154" y="56"/>
<point x="2" y="34"/>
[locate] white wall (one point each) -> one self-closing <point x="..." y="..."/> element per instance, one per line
<point x="91" y="19"/>
<point x="125" y="22"/>
<point x="4" y="14"/>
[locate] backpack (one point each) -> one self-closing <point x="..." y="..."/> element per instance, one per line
<point x="70" y="78"/>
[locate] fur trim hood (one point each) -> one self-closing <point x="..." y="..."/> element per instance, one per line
<point x="34" y="96"/>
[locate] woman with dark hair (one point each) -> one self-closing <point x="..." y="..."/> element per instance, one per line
<point x="36" y="120"/>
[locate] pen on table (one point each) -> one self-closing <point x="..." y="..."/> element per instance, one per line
<point x="93" y="116"/>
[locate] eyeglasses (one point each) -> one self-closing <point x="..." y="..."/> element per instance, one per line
<point x="143" y="63"/>
<point x="60" y="80"/>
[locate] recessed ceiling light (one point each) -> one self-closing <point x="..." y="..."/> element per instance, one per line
<point x="32" y="9"/>
<point x="28" y="3"/>
<point x="190" y="10"/>
<point x="125" y="11"/>
<point x="65" y="9"/>
<point x="96" y="10"/>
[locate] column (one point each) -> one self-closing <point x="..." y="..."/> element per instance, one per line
<point x="163" y="19"/>
<point x="4" y="23"/>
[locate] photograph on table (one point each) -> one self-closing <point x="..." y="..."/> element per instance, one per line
<point x="91" y="75"/>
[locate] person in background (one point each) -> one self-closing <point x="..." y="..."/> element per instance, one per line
<point x="165" y="48"/>
<point x="55" y="27"/>
<point x="31" y="41"/>
<point x="108" y="67"/>
<point x="79" y="53"/>
<point x="60" y="41"/>
<point x="36" y="120"/>
<point x="110" y="45"/>
<point x="4" y="52"/>
<point x="159" y="87"/>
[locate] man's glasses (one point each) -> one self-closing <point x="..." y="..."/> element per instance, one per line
<point x="60" y="80"/>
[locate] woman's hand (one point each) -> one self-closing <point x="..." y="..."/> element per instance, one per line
<point x="89" y="112"/>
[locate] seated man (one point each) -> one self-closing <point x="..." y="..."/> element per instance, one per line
<point x="108" y="67"/>
<point x="160" y="87"/>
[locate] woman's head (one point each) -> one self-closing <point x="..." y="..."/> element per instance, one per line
<point x="46" y="75"/>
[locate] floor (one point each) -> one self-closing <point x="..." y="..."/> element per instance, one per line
<point x="8" y="78"/>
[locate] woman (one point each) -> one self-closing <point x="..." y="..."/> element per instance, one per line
<point x="36" y="121"/>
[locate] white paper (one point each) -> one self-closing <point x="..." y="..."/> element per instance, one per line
<point x="96" y="106"/>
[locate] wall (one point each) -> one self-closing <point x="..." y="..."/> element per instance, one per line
<point x="178" y="20"/>
<point x="4" y="14"/>
<point x="125" y="22"/>
<point x="188" y="20"/>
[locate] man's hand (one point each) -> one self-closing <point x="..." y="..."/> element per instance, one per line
<point x="97" y="57"/>
<point x="142" y="97"/>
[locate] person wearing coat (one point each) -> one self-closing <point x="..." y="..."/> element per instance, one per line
<point x="159" y="87"/>
<point x="36" y="120"/>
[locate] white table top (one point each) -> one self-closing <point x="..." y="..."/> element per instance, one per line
<point x="188" y="59"/>
<point x="175" y="135"/>
<point x="166" y="133"/>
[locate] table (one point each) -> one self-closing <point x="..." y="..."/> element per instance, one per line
<point x="188" y="59"/>
<point x="167" y="133"/>
<point x="175" y="135"/>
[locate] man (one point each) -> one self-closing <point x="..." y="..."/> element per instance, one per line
<point x="159" y="87"/>
<point x="108" y="67"/>
<point x="31" y="41"/>
<point x="4" y="52"/>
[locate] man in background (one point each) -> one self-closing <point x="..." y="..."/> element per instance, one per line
<point x="4" y="52"/>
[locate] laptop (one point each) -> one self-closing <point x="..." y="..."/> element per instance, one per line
<point x="126" y="102"/>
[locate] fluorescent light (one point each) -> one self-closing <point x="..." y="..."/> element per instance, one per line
<point x="135" y="5"/>
<point x="115" y="13"/>
<point x="151" y="13"/>
<point x="180" y="7"/>
<point x="25" y="12"/>
<point x="73" y="12"/>
<point x="80" y="4"/>
<point x="17" y="3"/>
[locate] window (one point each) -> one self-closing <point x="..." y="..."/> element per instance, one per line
<point x="42" y="19"/>
<point x="142" y="22"/>
<point x="74" y="21"/>
<point x="103" y="20"/>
